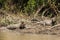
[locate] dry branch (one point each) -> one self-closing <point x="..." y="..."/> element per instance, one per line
<point x="45" y="12"/>
<point x="54" y="26"/>
<point x="39" y="9"/>
<point x="53" y="6"/>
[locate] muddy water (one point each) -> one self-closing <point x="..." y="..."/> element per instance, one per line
<point x="12" y="35"/>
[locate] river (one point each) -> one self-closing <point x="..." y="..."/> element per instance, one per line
<point x="13" y="35"/>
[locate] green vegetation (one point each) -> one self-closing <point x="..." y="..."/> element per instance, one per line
<point x="28" y="6"/>
<point x="48" y="8"/>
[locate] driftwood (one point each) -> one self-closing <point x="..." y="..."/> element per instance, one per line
<point x="50" y="22"/>
<point x="54" y="26"/>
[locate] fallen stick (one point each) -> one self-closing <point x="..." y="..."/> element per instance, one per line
<point x="54" y="26"/>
